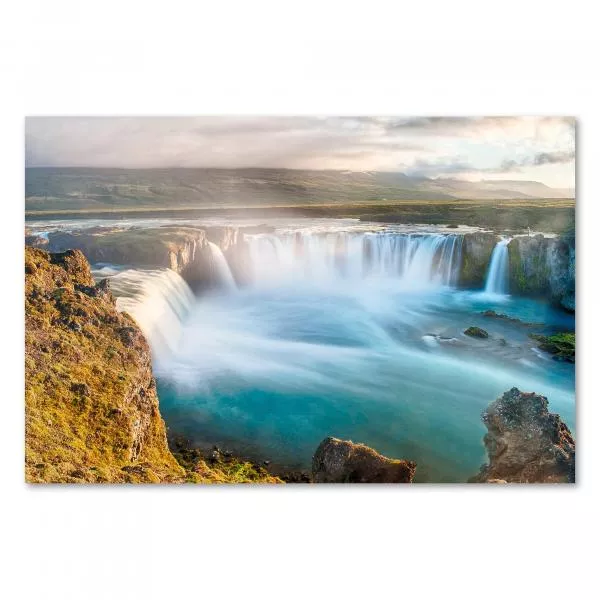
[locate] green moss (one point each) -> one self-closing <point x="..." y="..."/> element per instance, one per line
<point x="561" y="345"/>
<point x="91" y="409"/>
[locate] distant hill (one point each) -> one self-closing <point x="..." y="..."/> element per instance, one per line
<point x="81" y="188"/>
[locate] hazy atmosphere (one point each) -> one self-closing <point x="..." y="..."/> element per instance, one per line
<point x="471" y="148"/>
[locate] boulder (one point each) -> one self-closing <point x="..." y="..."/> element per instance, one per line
<point x="476" y="332"/>
<point x="525" y="443"/>
<point x="341" y="461"/>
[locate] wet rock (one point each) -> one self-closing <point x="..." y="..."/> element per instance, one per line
<point x="560" y="345"/>
<point x="476" y="332"/>
<point x="525" y="443"/>
<point x="477" y="250"/>
<point x="341" y="461"/>
<point x="542" y="266"/>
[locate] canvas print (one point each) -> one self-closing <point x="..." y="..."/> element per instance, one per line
<point x="300" y="299"/>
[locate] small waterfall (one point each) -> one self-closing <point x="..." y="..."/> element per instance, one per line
<point x="417" y="259"/>
<point x="497" y="277"/>
<point x="158" y="300"/>
<point x="220" y="267"/>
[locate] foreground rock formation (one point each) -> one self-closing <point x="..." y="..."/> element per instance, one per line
<point x="341" y="461"/>
<point x="526" y="443"/>
<point x="91" y="409"/>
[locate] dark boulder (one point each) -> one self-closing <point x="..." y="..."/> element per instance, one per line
<point x="476" y="332"/>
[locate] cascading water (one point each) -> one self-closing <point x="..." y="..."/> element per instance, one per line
<point x="497" y="277"/>
<point x="158" y="300"/>
<point x="352" y="333"/>
<point x="419" y="260"/>
<point x="221" y="268"/>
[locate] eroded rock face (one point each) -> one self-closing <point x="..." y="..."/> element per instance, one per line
<point x="341" y="461"/>
<point x="477" y="250"/>
<point x="91" y="406"/>
<point x="526" y="443"/>
<point x="183" y="249"/>
<point x="541" y="266"/>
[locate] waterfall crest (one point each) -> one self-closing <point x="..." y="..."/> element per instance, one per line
<point x="497" y="277"/>
<point x="417" y="259"/>
<point x="158" y="300"/>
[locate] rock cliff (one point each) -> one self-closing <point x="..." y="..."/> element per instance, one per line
<point x="525" y="443"/>
<point x="477" y="249"/>
<point x="91" y="408"/>
<point x="341" y="461"/>
<point x="184" y="249"/>
<point x="541" y="266"/>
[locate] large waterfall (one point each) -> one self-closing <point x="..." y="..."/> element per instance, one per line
<point x="417" y="259"/>
<point x="497" y="277"/>
<point x="159" y="301"/>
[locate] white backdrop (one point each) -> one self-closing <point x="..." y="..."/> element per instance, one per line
<point x="425" y="58"/>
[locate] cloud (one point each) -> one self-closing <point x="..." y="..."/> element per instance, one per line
<point x="552" y="158"/>
<point x="428" y="146"/>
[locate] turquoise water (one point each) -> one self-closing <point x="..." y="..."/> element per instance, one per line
<point x="269" y="372"/>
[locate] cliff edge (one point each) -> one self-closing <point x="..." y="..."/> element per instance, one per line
<point x="91" y="408"/>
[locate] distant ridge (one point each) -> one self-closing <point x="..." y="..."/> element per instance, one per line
<point x="51" y="188"/>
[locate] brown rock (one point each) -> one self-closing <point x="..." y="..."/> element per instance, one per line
<point x="526" y="443"/>
<point x="341" y="461"/>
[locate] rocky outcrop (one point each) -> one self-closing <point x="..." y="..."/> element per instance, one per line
<point x="91" y="407"/>
<point x="184" y="249"/>
<point x="545" y="267"/>
<point x="477" y="250"/>
<point x="560" y="345"/>
<point x="340" y="461"/>
<point x="525" y="443"/>
<point x="91" y="404"/>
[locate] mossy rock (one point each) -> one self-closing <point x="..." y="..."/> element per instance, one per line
<point x="476" y="332"/>
<point x="560" y="345"/>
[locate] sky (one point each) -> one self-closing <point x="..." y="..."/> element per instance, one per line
<point x="468" y="148"/>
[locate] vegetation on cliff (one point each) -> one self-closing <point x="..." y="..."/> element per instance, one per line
<point x="91" y="408"/>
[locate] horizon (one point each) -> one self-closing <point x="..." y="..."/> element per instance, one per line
<point x="462" y="149"/>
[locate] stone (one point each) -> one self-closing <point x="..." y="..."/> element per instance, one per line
<point x="342" y="461"/>
<point x="476" y="332"/>
<point x="526" y="443"/>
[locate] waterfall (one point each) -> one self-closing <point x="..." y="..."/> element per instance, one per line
<point x="158" y="300"/>
<point x="418" y="259"/>
<point x="220" y="267"/>
<point x="497" y="277"/>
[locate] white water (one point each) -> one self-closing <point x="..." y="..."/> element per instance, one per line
<point x="221" y="268"/>
<point x="416" y="260"/>
<point x="158" y="300"/>
<point x="497" y="276"/>
<point x="349" y="333"/>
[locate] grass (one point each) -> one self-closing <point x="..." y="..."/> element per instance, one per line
<point x="91" y="408"/>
